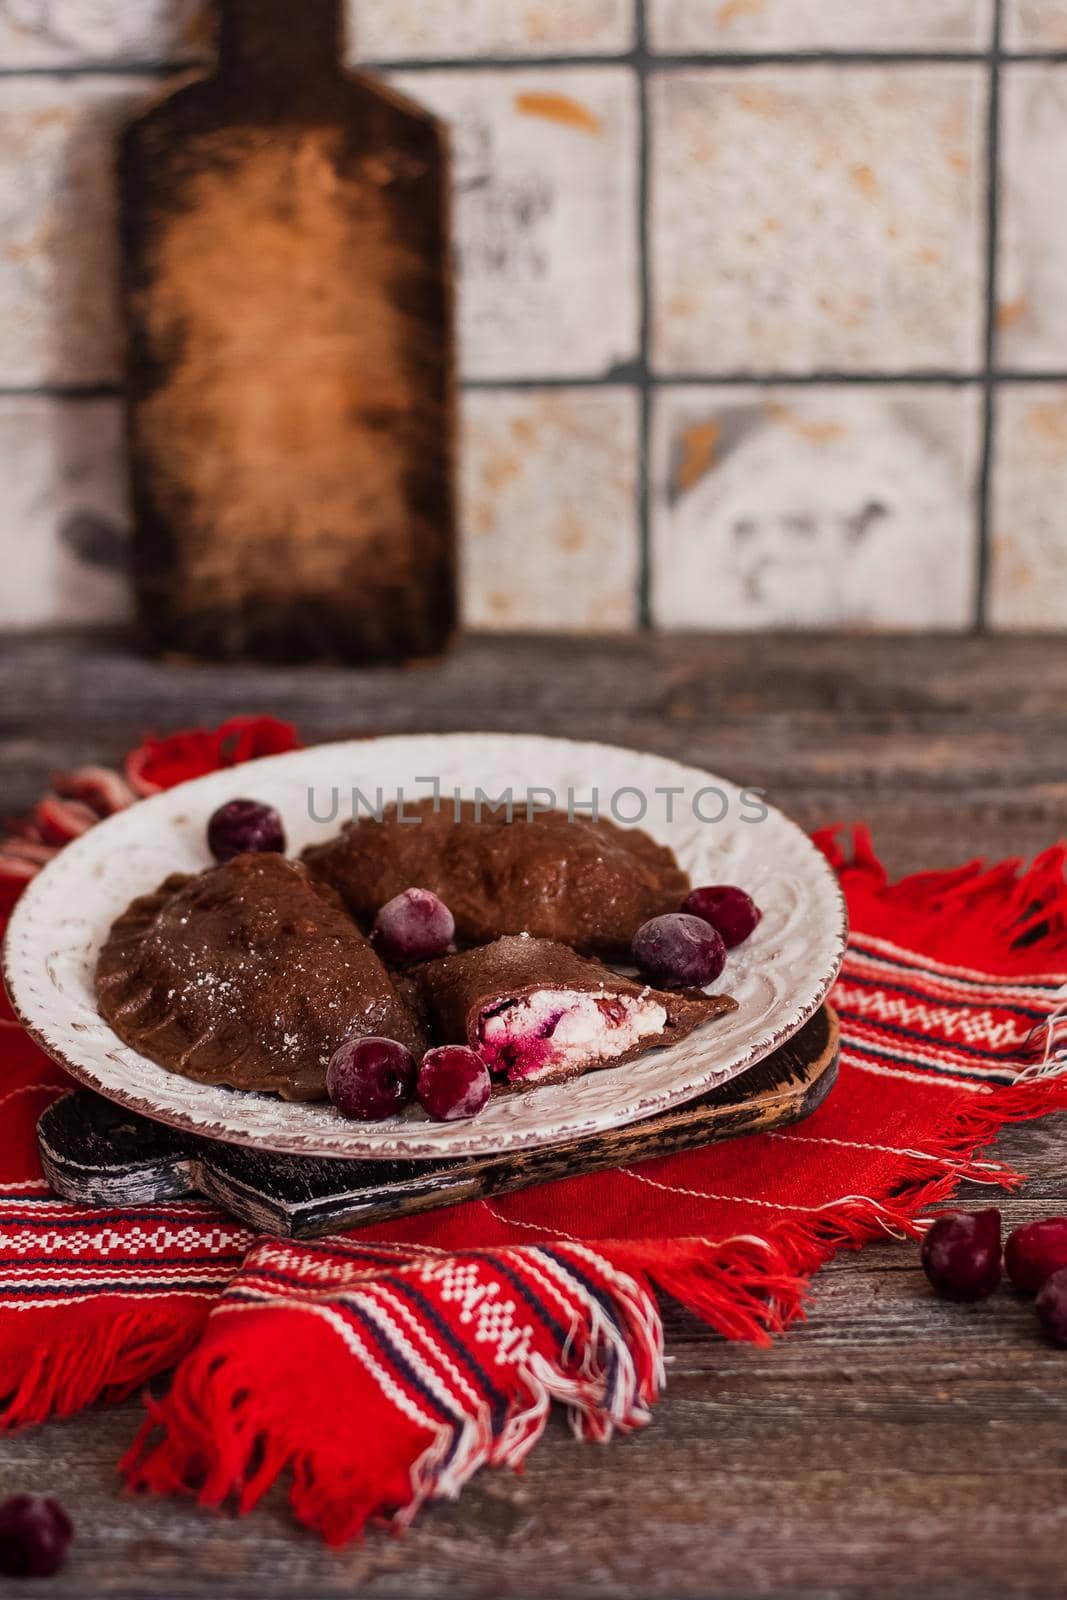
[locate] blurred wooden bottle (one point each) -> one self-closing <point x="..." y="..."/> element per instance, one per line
<point x="284" y="228"/>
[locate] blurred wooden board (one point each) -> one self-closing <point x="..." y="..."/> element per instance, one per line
<point x="284" y="232"/>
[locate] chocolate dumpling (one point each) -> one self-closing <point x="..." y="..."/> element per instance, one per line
<point x="586" y="883"/>
<point x="250" y="975"/>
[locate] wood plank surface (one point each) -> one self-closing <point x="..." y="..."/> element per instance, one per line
<point x="893" y="1447"/>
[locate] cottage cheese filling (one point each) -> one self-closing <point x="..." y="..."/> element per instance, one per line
<point x="564" y="1030"/>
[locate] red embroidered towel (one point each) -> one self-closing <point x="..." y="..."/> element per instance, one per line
<point x="449" y="1335"/>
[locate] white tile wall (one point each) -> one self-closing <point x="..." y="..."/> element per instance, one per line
<point x="819" y="219"/>
<point x="394" y="30"/>
<point x="59" y="33"/>
<point x="815" y="506"/>
<point x="729" y="25"/>
<point x="62" y="511"/>
<point x="1029" y="544"/>
<point x="549" y="509"/>
<point x="1035" y="24"/>
<point x="1032" y="287"/>
<point x="58" y="258"/>
<point x="546" y="216"/>
<point x="804" y="218"/>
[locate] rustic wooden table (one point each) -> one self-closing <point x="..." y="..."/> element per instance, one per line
<point x="892" y="1446"/>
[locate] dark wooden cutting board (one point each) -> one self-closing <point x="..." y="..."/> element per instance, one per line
<point x="101" y="1154"/>
<point x="284" y="234"/>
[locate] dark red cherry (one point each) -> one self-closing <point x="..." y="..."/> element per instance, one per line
<point x="1035" y="1251"/>
<point x="244" y="825"/>
<point x="34" y="1535"/>
<point x="961" y="1254"/>
<point x="1051" y="1306"/>
<point x="679" y="951"/>
<point x="369" y="1079"/>
<point x="413" y="926"/>
<point x="453" y="1083"/>
<point x="731" y="912"/>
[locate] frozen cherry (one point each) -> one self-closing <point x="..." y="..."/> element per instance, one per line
<point x="368" y="1079"/>
<point x="413" y="926"/>
<point x="731" y="912"/>
<point x="1034" y="1252"/>
<point x="34" y="1535"/>
<point x="242" y="825"/>
<point x="679" y="951"/>
<point x="453" y="1083"/>
<point x="1051" y="1306"/>
<point x="961" y="1254"/>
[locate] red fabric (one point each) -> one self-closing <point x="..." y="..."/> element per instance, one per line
<point x="79" y="799"/>
<point x="159" y="764"/>
<point x="448" y="1335"/>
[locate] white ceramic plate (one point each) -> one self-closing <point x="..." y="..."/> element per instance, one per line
<point x="779" y="976"/>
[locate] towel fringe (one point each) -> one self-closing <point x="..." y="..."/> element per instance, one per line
<point x="104" y="1355"/>
<point x="244" y="1409"/>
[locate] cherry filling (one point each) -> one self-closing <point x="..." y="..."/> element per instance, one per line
<point x="563" y="1030"/>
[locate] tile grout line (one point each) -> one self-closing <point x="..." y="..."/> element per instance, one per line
<point x="630" y="378"/>
<point x="640" y="57"/>
<point x="989" y="372"/>
<point x="644" y="363"/>
<point x="61" y="391"/>
<point x="709" y="60"/>
<point x="652" y="61"/>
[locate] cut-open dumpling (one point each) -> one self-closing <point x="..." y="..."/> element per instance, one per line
<point x="249" y="975"/>
<point x="536" y="1011"/>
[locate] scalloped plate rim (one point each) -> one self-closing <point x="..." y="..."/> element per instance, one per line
<point x="399" y="1139"/>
